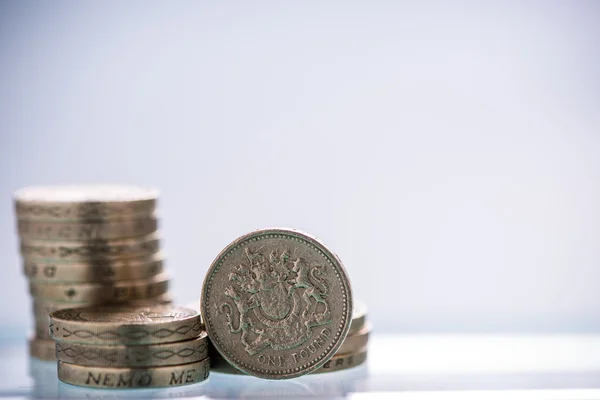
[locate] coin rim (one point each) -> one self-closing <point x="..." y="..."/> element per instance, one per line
<point x="162" y="279"/>
<point x="323" y="250"/>
<point x="105" y="327"/>
<point x="81" y="269"/>
<point x="72" y="370"/>
<point x="109" y="230"/>
<point x="121" y="352"/>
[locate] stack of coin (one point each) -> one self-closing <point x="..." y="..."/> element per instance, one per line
<point x="352" y="353"/>
<point x="130" y="347"/>
<point x="88" y="245"/>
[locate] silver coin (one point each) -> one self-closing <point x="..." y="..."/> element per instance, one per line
<point x="84" y="202"/>
<point x="277" y="303"/>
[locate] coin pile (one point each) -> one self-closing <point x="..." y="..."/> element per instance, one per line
<point x="352" y="353"/>
<point x="130" y="347"/>
<point x="88" y="245"/>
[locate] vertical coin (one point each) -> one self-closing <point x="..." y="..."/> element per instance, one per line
<point x="277" y="303"/>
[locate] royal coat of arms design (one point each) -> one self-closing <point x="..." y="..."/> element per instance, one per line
<point x="275" y="300"/>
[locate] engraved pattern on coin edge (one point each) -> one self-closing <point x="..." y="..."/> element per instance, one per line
<point x="137" y="334"/>
<point x="137" y="355"/>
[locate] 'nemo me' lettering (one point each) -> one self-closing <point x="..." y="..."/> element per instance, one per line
<point x="119" y="380"/>
<point x="188" y="375"/>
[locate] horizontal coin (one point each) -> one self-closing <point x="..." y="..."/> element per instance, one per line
<point x="359" y="317"/>
<point x="115" y="292"/>
<point x="129" y="378"/>
<point x="118" y="249"/>
<point x="344" y="361"/>
<point x="152" y="355"/>
<point x="44" y="349"/>
<point x="90" y="202"/>
<point x="42" y="307"/>
<point x="93" y="271"/>
<point x="44" y="230"/>
<point x="125" y="325"/>
<point x="356" y="341"/>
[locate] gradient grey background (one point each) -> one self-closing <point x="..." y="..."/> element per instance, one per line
<point x="449" y="153"/>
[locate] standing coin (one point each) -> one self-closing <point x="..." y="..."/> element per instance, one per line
<point x="129" y="378"/>
<point x="84" y="202"/>
<point x="118" y="249"/>
<point x="152" y="355"/>
<point x="99" y="271"/>
<point x="45" y="230"/>
<point x="116" y="292"/>
<point x="277" y="303"/>
<point x="125" y="325"/>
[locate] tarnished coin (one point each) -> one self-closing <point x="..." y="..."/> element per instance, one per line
<point x="359" y="317"/>
<point x="118" y="249"/>
<point x="84" y="202"/>
<point x="277" y="303"/>
<point x="130" y="378"/>
<point x="43" y="349"/>
<point x="52" y="230"/>
<point x="356" y="341"/>
<point x="98" y="271"/>
<point x="344" y="361"/>
<point x="125" y="325"/>
<point x="115" y="292"/>
<point x="42" y="308"/>
<point x="152" y="355"/>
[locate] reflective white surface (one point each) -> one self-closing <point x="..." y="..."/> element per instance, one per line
<point x="399" y="366"/>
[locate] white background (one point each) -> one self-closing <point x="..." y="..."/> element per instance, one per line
<point x="448" y="153"/>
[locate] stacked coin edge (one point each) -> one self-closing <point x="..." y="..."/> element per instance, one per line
<point x="88" y="245"/>
<point x="117" y="347"/>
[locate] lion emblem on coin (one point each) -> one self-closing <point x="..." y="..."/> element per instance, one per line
<point x="277" y="300"/>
